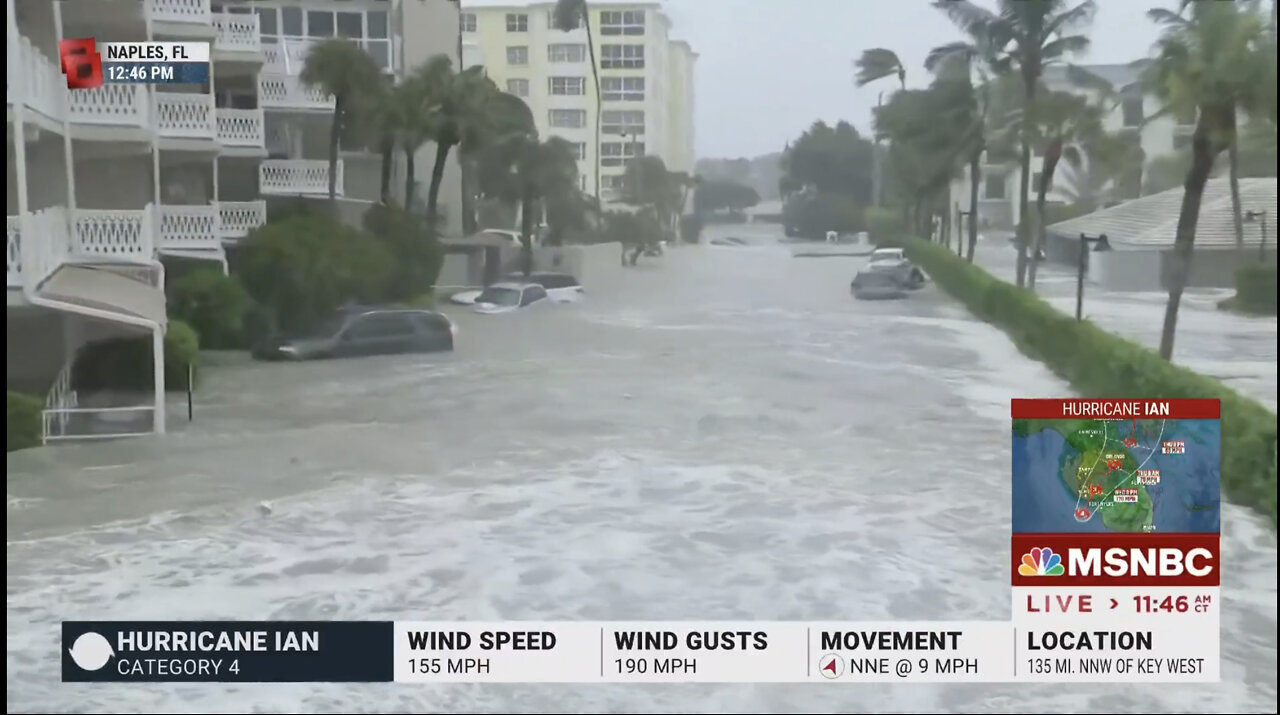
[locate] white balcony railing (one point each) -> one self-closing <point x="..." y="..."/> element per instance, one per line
<point x="293" y="177"/>
<point x="36" y="80"/>
<point x="286" y="56"/>
<point x="110" y="104"/>
<point x="13" y="250"/>
<point x="196" y="12"/>
<point x="188" y="228"/>
<point x="279" y="91"/>
<point x="241" y="127"/>
<point x="237" y="33"/>
<point x="184" y="115"/>
<point x="46" y="246"/>
<point x="238" y="218"/>
<point x="120" y="235"/>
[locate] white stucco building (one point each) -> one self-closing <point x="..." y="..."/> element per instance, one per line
<point x="107" y="184"/>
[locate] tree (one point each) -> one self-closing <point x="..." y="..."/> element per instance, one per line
<point x="1025" y="36"/>
<point x="456" y="109"/>
<point x="876" y="64"/>
<point x="347" y="73"/>
<point x="722" y="195"/>
<point x="569" y="15"/>
<point x="1207" y="61"/>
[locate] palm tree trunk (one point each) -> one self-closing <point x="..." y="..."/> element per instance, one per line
<point x="1202" y="155"/>
<point x="1051" y="156"/>
<point x="975" y="175"/>
<point x="437" y="177"/>
<point x="1237" y="213"/>
<point x="409" y="178"/>
<point x="526" y="231"/>
<point x="467" y="166"/>
<point x="388" y="153"/>
<point x="1024" y="181"/>
<point x="595" y="77"/>
<point x="335" y="138"/>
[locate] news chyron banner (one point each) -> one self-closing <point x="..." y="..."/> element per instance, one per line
<point x="1115" y="544"/>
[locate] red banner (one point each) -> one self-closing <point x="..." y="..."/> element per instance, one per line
<point x="1115" y="409"/>
<point x="1115" y="560"/>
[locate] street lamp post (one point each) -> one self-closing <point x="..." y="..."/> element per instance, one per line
<point x="961" y="231"/>
<point x="1261" y="218"/>
<point x="1101" y="244"/>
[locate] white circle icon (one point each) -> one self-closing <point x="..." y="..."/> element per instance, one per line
<point x="91" y="651"/>
<point x="831" y="666"/>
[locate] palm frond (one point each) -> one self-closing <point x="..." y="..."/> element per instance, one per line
<point x="1077" y="18"/>
<point x="878" y="63"/>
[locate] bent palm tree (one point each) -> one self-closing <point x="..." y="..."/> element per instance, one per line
<point x="346" y="72"/>
<point x="569" y="15"/>
<point x="455" y="114"/>
<point x="1026" y="36"/>
<point x="873" y="65"/>
<point x="1206" y="61"/>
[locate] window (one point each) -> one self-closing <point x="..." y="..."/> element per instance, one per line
<point x="517" y="55"/>
<point x="381" y="325"/>
<point x="350" y="25"/>
<point x="518" y="87"/>
<point x="579" y="150"/>
<point x="1131" y="107"/>
<point x="320" y="23"/>
<point x="622" y="22"/>
<point x="621" y="56"/>
<point x="617" y="153"/>
<point x="566" y="53"/>
<point x="517" y="22"/>
<point x="994" y="184"/>
<point x="567" y="118"/>
<point x="432" y="322"/>
<point x="467" y="22"/>
<point x="551" y="21"/>
<point x="290" y="21"/>
<point x="629" y="122"/>
<point x="532" y="294"/>
<point x="369" y="29"/>
<point x="622" y="89"/>
<point x="567" y="86"/>
<point x="611" y="181"/>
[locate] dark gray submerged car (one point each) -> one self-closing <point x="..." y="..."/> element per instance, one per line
<point x="360" y="331"/>
<point x="887" y="280"/>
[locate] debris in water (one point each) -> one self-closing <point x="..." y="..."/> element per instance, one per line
<point x="626" y="395"/>
<point x="264" y="508"/>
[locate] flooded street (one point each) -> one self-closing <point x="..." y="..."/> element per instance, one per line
<point x="721" y="433"/>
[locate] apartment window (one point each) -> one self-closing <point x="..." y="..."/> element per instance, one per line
<point x="369" y="29"/>
<point x="622" y="22"/>
<point x="467" y="21"/>
<point x="993" y="186"/>
<point x="551" y="21"/>
<point x="566" y="53"/>
<point x="1131" y="108"/>
<point x="611" y="181"/>
<point x="622" y="89"/>
<point x="621" y="56"/>
<point x="567" y="118"/>
<point x="517" y="55"/>
<point x="518" y="87"/>
<point x="517" y="22"/>
<point x="567" y="86"/>
<point x="579" y="150"/>
<point x="617" y="153"/>
<point x="629" y="122"/>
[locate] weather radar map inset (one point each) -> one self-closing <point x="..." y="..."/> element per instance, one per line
<point x="1109" y="466"/>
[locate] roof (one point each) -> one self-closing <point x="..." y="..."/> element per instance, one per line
<point x="1151" y="221"/>
<point x="1118" y="75"/>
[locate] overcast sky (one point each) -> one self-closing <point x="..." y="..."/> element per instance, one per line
<point x="767" y="69"/>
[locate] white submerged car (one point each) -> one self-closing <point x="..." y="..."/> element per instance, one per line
<point x="560" y="287"/>
<point x="510" y="297"/>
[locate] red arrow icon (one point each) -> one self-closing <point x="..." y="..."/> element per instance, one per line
<point x="1114" y="603"/>
<point x="830" y="666"/>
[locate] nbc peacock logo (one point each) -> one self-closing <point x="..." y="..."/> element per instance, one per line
<point x="1041" y="561"/>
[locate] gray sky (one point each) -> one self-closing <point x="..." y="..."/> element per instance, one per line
<point x="769" y="68"/>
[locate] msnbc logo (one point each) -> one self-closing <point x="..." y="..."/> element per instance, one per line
<point x="1041" y="562"/>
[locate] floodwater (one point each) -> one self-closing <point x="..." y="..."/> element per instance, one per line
<point x="718" y="434"/>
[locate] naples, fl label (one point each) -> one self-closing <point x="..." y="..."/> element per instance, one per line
<point x="1114" y="564"/>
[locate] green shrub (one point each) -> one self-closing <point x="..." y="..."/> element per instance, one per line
<point x="1256" y="289"/>
<point x="1100" y="364"/>
<point x="303" y="268"/>
<point x="25" y="421"/>
<point x="214" y="304"/>
<point x="884" y="225"/>
<point x="422" y="300"/>
<point x="416" y="254"/>
<point x="125" y="363"/>
<point x="812" y="215"/>
<point x="632" y="228"/>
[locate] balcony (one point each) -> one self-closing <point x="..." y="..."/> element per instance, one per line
<point x="185" y="116"/>
<point x="119" y="235"/>
<point x="188" y="228"/>
<point x="287" y="56"/>
<point x="297" y="177"/>
<point x="236" y="33"/>
<point x="110" y="105"/>
<point x="289" y="92"/>
<point x="241" y="128"/>
<point x="192" y="12"/>
<point x="35" y="80"/>
<point x="238" y="218"/>
<point x="54" y="236"/>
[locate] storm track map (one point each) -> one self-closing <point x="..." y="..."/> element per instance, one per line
<point x="1129" y="475"/>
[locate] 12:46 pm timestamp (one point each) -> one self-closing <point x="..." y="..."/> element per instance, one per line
<point x="138" y="72"/>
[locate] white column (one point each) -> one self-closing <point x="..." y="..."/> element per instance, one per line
<point x="19" y="123"/>
<point x="68" y="159"/>
<point x="157" y="360"/>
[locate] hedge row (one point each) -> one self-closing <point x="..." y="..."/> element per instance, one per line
<point x="23" y="429"/>
<point x="1255" y="289"/>
<point x="1100" y="364"/>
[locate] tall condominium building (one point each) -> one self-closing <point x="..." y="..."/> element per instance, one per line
<point x="109" y="186"/>
<point x="646" y="81"/>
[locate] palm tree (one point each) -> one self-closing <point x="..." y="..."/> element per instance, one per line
<point x="569" y="15"/>
<point x="1026" y="36"/>
<point x="873" y="65"/>
<point x="1207" y="61"/>
<point x="455" y="112"/>
<point x="347" y="73"/>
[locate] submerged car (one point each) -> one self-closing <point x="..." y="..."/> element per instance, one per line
<point x="894" y="261"/>
<point x="360" y="331"/>
<point x="873" y="283"/>
<point x="560" y="287"/>
<point x="509" y="297"/>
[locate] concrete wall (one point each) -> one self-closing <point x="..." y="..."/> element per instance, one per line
<point x="429" y="28"/>
<point x="46" y="174"/>
<point x="1211" y="268"/>
<point x="1124" y="270"/>
<point x="120" y="182"/>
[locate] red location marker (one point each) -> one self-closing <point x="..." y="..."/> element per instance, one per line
<point x="1095" y="490"/>
<point x="1129" y="441"/>
<point x="1082" y="513"/>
